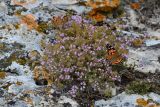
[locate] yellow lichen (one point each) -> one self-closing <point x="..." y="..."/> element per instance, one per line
<point x="6" y="86"/>
<point x="28" y="100"/>
<point x="21" y="61"/>
<point x="137" y="42"/>
<point x="19" y="83"/>
<point x="2" y="75"/>
<point x="2" y="46"/>
<point x="17" y="26"/>
<point x="42" y="27"/>
<point x="28" y="92"/>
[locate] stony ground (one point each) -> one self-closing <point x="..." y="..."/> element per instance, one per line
<point x="21" y="51"/>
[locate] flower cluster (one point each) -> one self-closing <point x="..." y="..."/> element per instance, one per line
<point x="76" y="57"/>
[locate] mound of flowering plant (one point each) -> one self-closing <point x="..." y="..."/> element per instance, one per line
<point x="76" y="59"/>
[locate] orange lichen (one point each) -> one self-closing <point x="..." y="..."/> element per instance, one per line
<point x="142" y="102"/>
<point x="101" y="6"/>
<point x="23" y="2"/>
<point x="104" y="3"/>
<point x="146" y="103"/>
<point x="96" y="16"/>
<point x="141" y="1"/>
<point x="30" y="21"/>
<point x="135" y="6"/>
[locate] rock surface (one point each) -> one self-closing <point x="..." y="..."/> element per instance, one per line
<point x="25" y="83"/>
<point x="124" y="100"/>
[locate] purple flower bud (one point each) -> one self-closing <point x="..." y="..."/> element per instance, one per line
<point x="62" y="47"/>
<point x="62" y="35"/>
<point x="99" y="48"/>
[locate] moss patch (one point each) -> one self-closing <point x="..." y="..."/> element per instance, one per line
<point x="138" y="87"/>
